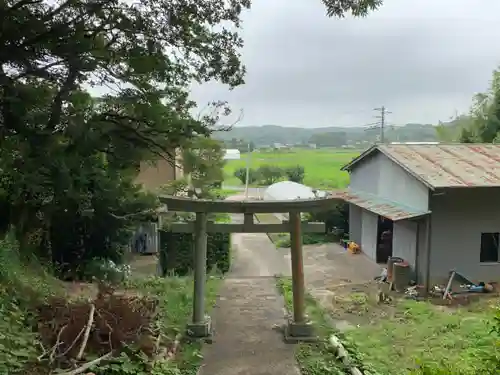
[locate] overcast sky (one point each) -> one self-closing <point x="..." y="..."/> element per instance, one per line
<point x="422" y="59"/>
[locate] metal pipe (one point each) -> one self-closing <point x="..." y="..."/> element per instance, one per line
<point x="200" y="267"/>
<point x="428" y="227"/>
<point x="297" y="268"/>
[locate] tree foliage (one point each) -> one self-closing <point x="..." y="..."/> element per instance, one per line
<point x="203" y="164"/>
<point x="483" y="122"/>
<point x="295" y="173"/>
<point x="270" y="174"/>
<point x="67" y="157"/>
<point x="241" y="174"/>
<point x="358" y="8"/>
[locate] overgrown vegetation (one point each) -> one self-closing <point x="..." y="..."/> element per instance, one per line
<point x="425" y="340"/>
<point x="295" y="173"/>
<point x="418" y="338"/>
<point x="40" y="317"/>
<point x="318" y="358"/>
<point x="177" y="252"/>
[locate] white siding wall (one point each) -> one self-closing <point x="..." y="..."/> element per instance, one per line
<point x="379" y="175"/>
<point x="369" y="223"/>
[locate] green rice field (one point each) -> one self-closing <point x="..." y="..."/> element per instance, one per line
<point x="322" y="166"/>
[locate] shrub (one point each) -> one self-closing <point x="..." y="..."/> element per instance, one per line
<point x="241" y="174"/>
<point x="176" y="252"/>
<point x="270" y="174"/>
<point x="22" y="285"/>
<point x="106" y="270"/>
<point x="295" y="174"/>
<point x="336" y="220"/>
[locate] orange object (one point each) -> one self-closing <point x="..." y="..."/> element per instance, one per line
<point x="353" y="247"/>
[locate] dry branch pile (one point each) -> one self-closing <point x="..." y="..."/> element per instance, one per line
<point x="70" y="331"/>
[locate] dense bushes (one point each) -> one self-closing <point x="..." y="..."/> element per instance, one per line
<point x="241" y="174"/>
<point x="177" y="252"/>
<point x="295" y="174"/>
<point x="21" y="285"/>
<point x="336" y="220"/>
<point x="269" y="174"/>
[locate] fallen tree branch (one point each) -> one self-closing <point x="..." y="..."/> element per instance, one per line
<point x="343" y="355"/>
<point x="58" y="342"/>
<point x="73" y="343"/>
<point x="87" y="365"/>
<point x="173" y="351"/>
<point x="87" y="332"/>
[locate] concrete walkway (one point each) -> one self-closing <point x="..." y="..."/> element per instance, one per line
<point x="248" y="310"/>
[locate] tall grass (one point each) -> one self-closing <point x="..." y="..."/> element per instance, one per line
<point x="21" y="282"/>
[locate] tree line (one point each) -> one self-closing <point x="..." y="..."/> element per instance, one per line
<point x="269" y="174"/>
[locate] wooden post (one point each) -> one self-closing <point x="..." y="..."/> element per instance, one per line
<point x="299" y="329"/>
<point x="200" y="326"/>
<point x="297" y="267"/>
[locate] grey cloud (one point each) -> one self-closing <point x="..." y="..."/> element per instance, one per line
<point x="423" y="59"/>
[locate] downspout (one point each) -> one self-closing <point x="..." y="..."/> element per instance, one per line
<point x="417" y="246"/>
<point x="428" y="245"/>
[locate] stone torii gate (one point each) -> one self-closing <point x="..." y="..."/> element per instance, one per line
<point x="298" y="328"/>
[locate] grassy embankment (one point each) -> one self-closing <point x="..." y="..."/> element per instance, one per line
<point x="24" y="286"/>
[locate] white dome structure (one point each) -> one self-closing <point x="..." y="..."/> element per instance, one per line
<point x="288" y="190"/>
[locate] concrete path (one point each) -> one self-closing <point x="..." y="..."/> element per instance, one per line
<point x="248" y="310"/>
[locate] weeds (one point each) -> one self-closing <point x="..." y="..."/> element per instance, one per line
<point x="421" y="335"/>
<point x="317" y="358"/>
<point x="20" y="285"/>
<point x="24" y="286"/>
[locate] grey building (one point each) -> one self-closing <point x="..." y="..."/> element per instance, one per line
<point x="441" y="202"/>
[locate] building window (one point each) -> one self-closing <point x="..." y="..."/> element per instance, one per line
<point x="489" y="247"/>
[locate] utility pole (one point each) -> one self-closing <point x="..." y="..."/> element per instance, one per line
<point x="383" y="113"/>
<point x="247" y="171"/>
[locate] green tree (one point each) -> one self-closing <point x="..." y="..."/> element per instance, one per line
<point x="203" y="161"/>
<point x="241" y="174"/>
<point x="358" y="8"/>
<point x="270" y="174"/>
<point x="484" y="124"/>
<point x="295" y="174"/>
<point x="67" y="158"/>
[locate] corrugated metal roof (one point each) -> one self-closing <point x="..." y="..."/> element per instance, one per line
<point x="391" y="210"/>
<point x="445" y="165"/>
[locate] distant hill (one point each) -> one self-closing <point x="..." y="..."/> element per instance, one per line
<point x="330" y="136"/>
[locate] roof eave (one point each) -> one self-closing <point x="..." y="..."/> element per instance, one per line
<point x="359" y="158"/>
